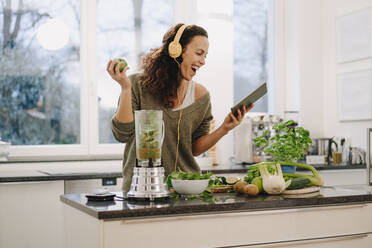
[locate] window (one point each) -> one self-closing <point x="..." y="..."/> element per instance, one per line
<point x="126" y="36"/>
<point x="39" y="72"/>
<point x="251" y="56"/>
<point x="56" y="98"/>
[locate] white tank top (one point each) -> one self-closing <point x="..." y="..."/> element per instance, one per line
<point x="189" y="97"/>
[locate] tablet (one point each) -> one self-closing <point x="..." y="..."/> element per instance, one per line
<point x="259" y="92"/>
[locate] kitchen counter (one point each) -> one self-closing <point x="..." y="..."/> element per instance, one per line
<point x="78" y="170"/>
<point x="330" y="218"/>
<point x="226" y="202"/>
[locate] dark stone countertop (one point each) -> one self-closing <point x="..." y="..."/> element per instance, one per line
<point x="220" y="203"/>
<point x="39" y="175"/>
<point x="43" y="176"/>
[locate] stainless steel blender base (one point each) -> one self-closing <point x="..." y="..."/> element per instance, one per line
<point x="148" y="183"/>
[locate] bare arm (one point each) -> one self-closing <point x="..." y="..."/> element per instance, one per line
<point x="205" y="142"/>
<point x="124" y="112"/>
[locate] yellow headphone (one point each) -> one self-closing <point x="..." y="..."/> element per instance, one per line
<point x="175" y="48"/>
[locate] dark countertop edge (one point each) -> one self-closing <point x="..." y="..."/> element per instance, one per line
<point x="222" y="208"/>
<point x="56" y="177"/>
<point x="58" y="160"/>
<point x="214" y="169"/>
<point x="215" y="209"/>
<point x="84" y="209"/>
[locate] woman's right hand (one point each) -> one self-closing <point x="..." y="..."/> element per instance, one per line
<point x="120" y="77"/>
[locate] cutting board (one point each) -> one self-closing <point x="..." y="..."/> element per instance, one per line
<point x="225" y="189"/>
<point x="301" y="191"/>
<point x="307" y="195"/>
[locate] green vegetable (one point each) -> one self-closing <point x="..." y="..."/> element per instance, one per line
<point x="299" y="183"/>
<point x="315" y="179"/>
<point x="232" y="180"/>
<point x="272" y="183"/>
<point x="254" y="172"/>
<point x="219" y="180"/>
<point x="205" y="196"/>
<point x="288" y="144"/>
<point x="258" y="182"/>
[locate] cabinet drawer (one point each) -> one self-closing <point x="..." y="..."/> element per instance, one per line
<point x="363" y="240"/>
<point x="243" y="228"/>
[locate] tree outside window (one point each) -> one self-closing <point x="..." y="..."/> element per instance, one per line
<point x="39" y="88"/>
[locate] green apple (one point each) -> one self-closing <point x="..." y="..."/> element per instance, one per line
<point x="117" y="61"/>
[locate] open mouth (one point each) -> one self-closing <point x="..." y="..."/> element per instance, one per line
<point x="194" y="68"/>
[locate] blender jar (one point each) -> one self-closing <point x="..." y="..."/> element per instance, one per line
<point x="149" y="127"/>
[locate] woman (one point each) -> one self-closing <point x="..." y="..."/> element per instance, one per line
<point x="166" y="84"/>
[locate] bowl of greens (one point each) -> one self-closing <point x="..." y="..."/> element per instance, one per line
<point x="188" y="183"/>
<point x="190" y="187"/>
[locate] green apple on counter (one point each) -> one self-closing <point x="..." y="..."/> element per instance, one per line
<point x="119" y="60"/>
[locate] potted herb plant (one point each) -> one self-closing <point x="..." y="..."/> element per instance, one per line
<point x="287" y="145"/>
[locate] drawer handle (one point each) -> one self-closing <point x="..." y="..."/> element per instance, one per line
<point x="308" y="241"/>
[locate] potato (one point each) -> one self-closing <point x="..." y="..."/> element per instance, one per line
<point x="251" y="189"/>
<point x="239" y="186"/>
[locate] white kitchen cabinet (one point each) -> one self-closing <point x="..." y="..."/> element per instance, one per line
<point x="31" y="214"/>
<point x="91" y="185"/>
<point x="344" y="177"/>
<point x="334" y="226"/>
<point x="354" y="240"/>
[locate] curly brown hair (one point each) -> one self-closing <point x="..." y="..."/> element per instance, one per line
<point x="162" y="76"/>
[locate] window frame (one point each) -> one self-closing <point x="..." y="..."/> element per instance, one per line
<point x="89" y="148"/>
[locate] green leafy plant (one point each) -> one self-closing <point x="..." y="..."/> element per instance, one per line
<point x="287" y="145"/>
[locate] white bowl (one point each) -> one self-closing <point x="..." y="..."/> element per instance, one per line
<point x="190" y="187"/>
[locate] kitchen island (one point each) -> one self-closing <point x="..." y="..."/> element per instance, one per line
<point x="334" y="217"/>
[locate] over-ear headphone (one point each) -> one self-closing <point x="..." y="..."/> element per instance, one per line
<point x="175" y="48"/>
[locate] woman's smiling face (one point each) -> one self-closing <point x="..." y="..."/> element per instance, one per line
<point x="194" y="56"/>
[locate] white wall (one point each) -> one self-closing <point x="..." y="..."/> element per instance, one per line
<point x="332" y="126"/>
<point x="217" y="74"/>
<point x="220" y="82"/>
<point x="299" y="42"/>
<point x="305" y="66"/>
<point x="310" y="56"/>
<point x="312" y="101"/>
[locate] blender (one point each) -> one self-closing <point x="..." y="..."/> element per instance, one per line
<point x="148" y="173"/>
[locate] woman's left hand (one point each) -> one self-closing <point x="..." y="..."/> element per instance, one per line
<point x="232" y="121"/>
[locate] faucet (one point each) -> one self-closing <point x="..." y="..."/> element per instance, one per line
<point x="368" y="156"/>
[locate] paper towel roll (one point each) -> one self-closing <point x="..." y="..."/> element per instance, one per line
<point x="243" y="141"/>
